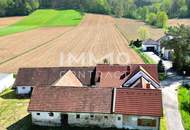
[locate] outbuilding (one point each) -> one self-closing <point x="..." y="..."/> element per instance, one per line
<point x="151" y="45"/>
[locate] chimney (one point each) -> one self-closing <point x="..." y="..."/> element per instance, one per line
<point x="128" y="70"/>
<point x="148" y="86"/>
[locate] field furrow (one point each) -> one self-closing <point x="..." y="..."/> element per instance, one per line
<point x="95" y="38"/>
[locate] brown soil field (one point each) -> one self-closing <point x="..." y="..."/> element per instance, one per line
<point x="94" y="38"/>
<point x="9" y="20"/>
<point x="175" y="22"/>
<point x="130" y="28"/>
<point x="14" y="45"/>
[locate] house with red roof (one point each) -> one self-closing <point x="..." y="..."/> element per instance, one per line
<point x="107" y="96"/>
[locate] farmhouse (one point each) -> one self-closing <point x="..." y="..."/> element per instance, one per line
<point x="151" y="45"/>
<point x="120" y="96"/>
<point x="131" y="108"/>
<point x="119" y="76"/>
<point x="6" y="81"/>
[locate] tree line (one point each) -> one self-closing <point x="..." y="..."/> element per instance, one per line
<point x="127" y="8"/>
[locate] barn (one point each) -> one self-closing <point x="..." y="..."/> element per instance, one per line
<point x="6" y="81"/>
<point x="151" y="45"/>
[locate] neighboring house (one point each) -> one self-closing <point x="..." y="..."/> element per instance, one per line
<point x="151" y="45"/>
<point x="121" y="96"/>
<point x="166" y="53"/>
<point x="6" y="81"/>
<point x="101" y="107"/>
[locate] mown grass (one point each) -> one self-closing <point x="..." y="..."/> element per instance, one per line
<point x="44" y="18"/>
<point x="184" y="106"/>
<point x="11" y="109"/>
<point x="145" y="58"/>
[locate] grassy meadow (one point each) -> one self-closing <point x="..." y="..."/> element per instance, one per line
<point x="44" y="18"/>
<point x="11" y="109"/>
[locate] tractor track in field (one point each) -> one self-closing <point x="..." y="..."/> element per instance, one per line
<point x="36" y="47"/>
<point x="96" y="36"/>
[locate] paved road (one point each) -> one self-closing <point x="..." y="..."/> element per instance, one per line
<point x="170" y="102"/>
<point x="170" y="98"/>
<point x="167" y="64"/>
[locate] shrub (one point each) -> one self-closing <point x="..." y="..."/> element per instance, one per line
<point x="161" y="68"/>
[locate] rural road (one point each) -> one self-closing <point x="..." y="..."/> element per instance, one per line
<point x="170" y="101"/>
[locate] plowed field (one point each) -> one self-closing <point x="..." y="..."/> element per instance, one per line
<point x="8" y="21"/>
<point x="95" y="38"/>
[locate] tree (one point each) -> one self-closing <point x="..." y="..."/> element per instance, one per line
<point x="3" y="6"/>
<point x="162" y="19"/>
<point x="161" y="68"/>
<point x="143" y="33"/>
<point x="143" y="12"/>
<point x="151" y="19"/>
<point x="180" y="43"/>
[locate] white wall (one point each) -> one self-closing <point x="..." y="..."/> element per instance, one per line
<point x="84" y="121"/>
<point x="6" y="82"/>
<point x="156" y="47"/>
<point x="98" y="120"/>
<point x="23" y="89"/>
<point x="131" y="122"/>
<point x="45" y="120"/>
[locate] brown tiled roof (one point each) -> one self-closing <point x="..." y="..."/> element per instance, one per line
<point x="144" y="102"/>
<point x="115" y="75"/>
<point x="47" y="76"/>
<point x="70" y="99"/>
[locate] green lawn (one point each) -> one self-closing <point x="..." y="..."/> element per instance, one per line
<point x="163" y="123"/>
<point x="146" y="59"/>
<point x="184" y="105"/>
<point x="11" y="109"/>
<point x="44" y="18"/>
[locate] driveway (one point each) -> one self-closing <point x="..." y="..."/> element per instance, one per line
<point x="170" y="102"/>
<point x="167" y="64"/>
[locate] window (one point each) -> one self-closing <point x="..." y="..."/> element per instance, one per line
<point x="106" y="117"/>
<point x="51" y="114"/>
<point x="91" y="116"/>
<point x="147" y="122"/>
<point x="37" y="114"/>
<point x="77" y="116"/>
<point x="118" y="118"/>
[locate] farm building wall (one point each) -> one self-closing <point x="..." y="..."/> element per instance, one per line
<point x="6" y="81"/>
<point x="131" y="122"/>
<point x="44" y="119"/>
<point x="101" y="120"/>
<point x="156" y="47"/>
<point x="85" y="119"/>
<point x="91" y="119"/>
<point x="22" y="90"/>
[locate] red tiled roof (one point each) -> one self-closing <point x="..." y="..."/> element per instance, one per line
<point x="70" y="99"/>
<point x="47" y="76"/>
<point x="144" y="102"/>
<point x="115" y="75"/>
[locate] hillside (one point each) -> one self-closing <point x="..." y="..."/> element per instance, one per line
<point x="44" y="18"/>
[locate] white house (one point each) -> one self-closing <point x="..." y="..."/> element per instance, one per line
<point x="100" y="107"/>
<point x="6" y="81"/>
<point x="151" y="45"/>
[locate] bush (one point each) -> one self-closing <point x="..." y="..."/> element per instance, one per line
<point x="137" y="43"/>
<point x="161" y="68"/>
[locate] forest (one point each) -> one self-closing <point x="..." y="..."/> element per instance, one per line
<point x="138" y="9"/>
